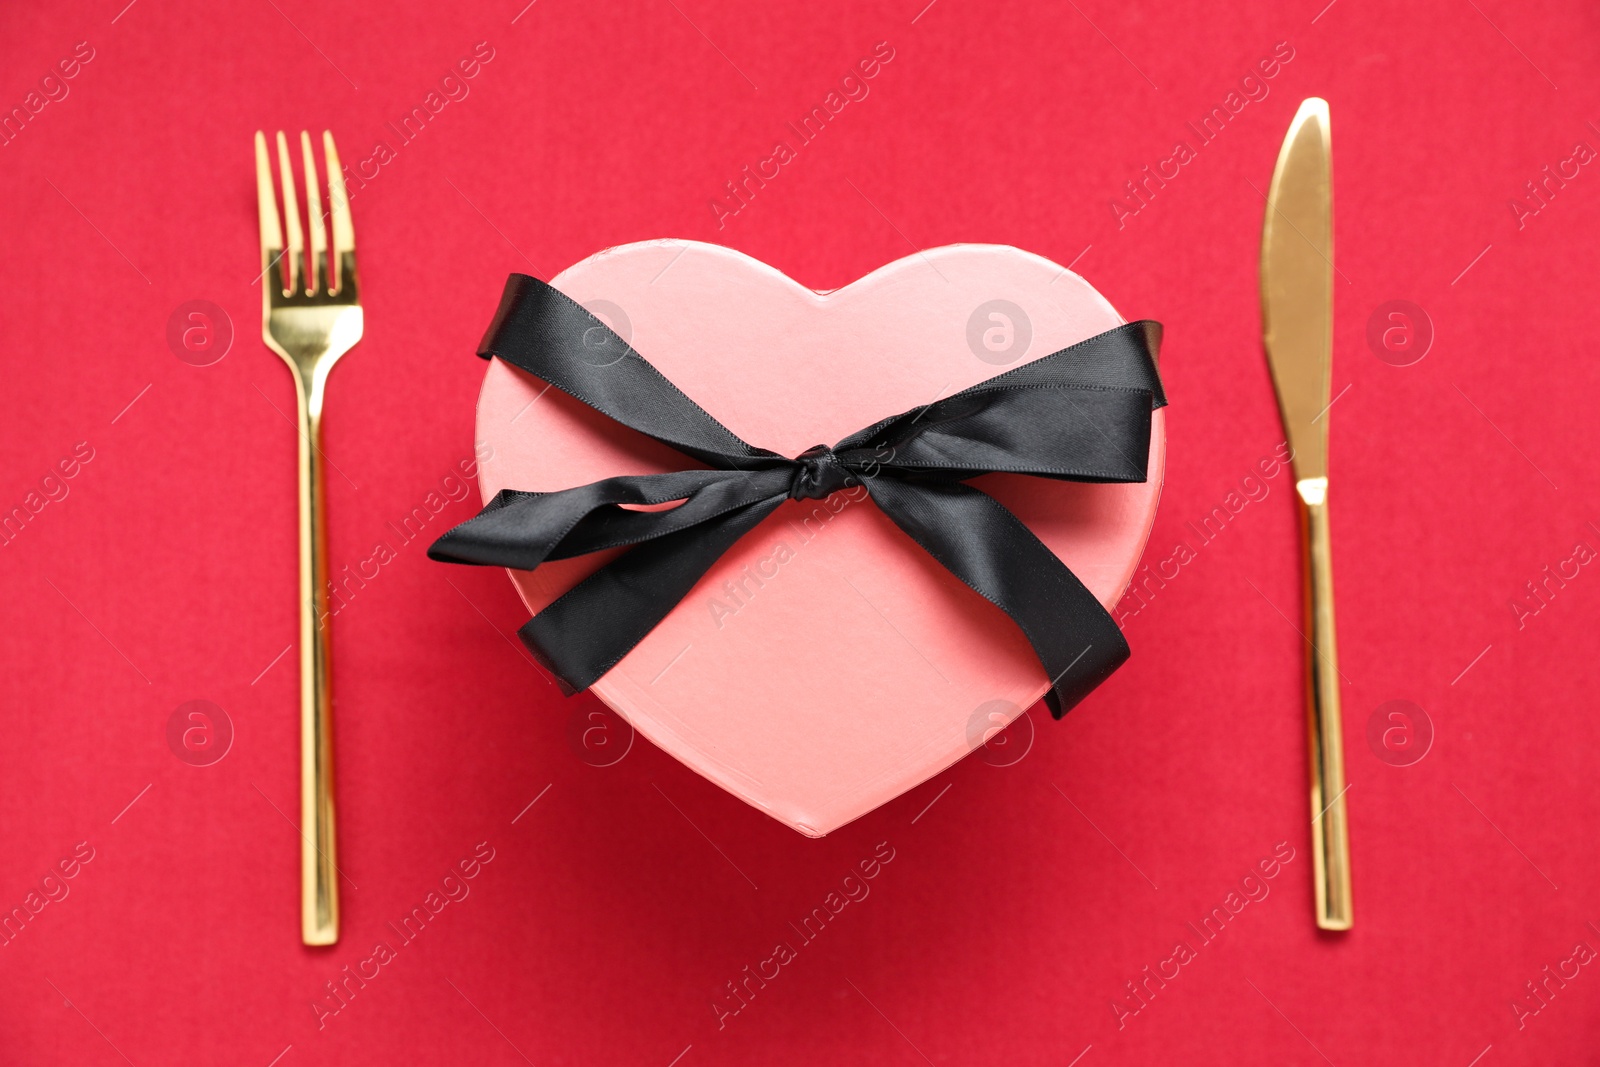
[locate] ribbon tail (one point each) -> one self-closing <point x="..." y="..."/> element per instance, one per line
<point x="980" y="542"/>
<point x="581" y="635"/>
<point x="523" y="530"/>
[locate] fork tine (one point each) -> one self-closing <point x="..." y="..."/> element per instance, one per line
<point x="344" y="234"/>
<point x="317" y="278"/>
<point x="291" y="209"/>
<point x="271" y="231"/>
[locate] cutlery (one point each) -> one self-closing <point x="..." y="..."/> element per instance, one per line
<point x="1297" y="330"/>
<point x="311" y="316"/>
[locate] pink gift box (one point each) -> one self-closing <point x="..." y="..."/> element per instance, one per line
<point x="826" y="664"/>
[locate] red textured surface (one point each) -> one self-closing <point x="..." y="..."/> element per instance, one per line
<point x="607" y="921"/>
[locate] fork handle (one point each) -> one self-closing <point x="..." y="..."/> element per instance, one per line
<point x="1330" y="841"/>
<point x="319" y="889"/>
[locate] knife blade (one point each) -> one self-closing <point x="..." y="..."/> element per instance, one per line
<point x="1297" y="285"/>
<point x="1297" y="332"/>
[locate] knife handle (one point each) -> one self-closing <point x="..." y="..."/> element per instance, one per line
<point x="1330" y="841"/>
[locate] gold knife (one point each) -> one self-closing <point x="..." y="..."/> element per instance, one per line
<point x="1297" y="330"/>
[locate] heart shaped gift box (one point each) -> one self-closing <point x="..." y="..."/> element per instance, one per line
<point x="826" y="663"/>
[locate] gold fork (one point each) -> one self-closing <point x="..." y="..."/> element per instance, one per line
<point x="311" y="316"/>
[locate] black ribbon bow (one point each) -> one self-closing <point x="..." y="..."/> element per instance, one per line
<point x="1080" y="414"/>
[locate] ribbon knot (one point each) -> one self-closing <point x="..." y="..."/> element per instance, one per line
<point x="1080" y="414"/>
<point x="819" y="474"/>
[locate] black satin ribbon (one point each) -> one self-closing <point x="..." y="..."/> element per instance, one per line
<point x="1081" y="414"/>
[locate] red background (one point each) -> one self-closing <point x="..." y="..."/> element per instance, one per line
<point x="1009" y="919"/>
